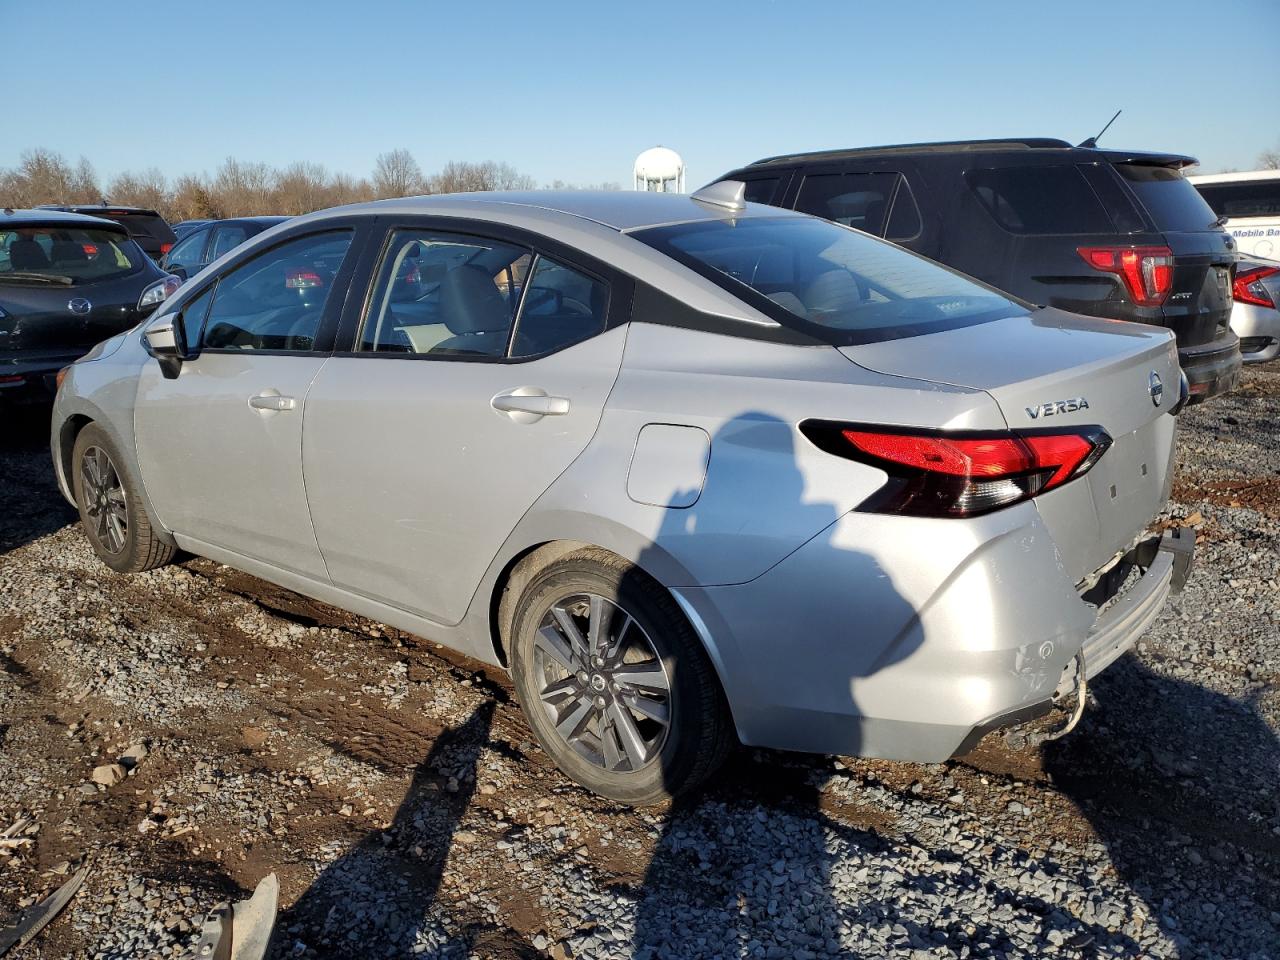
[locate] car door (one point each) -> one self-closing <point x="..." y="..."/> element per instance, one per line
<point x="479" y="372"/>
<point x="220" y="445"/>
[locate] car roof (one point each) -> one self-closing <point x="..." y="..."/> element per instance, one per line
<point x="45" y="217"/>
<point x="1236" y="177"/>
<point x="1001" y="145"/>
<point x="621" y="210"/>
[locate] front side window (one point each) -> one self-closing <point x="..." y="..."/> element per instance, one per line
<point x="276" y="300"/>
<point x="1040" y="199"/>
<point x="858" y="200"/>
<point x="60" y="256"/>
<point x="187" y="253"/>
<point x="838" y="285"/>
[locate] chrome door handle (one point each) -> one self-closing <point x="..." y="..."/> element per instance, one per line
<point x="527" y="404"/>
<point x="272" y="401"/>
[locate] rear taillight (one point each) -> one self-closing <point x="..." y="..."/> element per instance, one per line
<point x="303" y="280"/>
<point x="90" y="249"/>
<point x="961" y="474"/>
<point x="165" y="248"/>
<point x="1147" y="272"/>
<point x="1248" y="286"/>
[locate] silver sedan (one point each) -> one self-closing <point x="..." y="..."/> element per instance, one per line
<point x="695" y="471"/>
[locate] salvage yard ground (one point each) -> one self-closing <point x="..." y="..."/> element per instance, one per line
<point x="395" y="791"/>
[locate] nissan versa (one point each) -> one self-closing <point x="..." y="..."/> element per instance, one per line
<point x="692" y="469"/>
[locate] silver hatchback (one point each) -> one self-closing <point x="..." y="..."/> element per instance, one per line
<point x="694" y="471"/>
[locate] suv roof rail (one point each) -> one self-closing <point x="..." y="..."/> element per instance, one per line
<point x="941" y="146"/>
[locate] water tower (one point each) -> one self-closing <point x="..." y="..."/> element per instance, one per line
<point x="660" y="170"/>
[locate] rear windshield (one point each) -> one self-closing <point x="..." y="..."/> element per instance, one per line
<point x="1171" y="201"/>
<point x="66" y="256"/>
<point x="150" y="225"/>
<point x="1256" y="198"/>
<point x="834" y="283"/>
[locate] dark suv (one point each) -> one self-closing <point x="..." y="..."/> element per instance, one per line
<point x="147" y="227"/>
<point x="1109" y="233"/>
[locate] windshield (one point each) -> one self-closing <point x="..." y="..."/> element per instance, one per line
<point x="65" y="255"/>
<point x="832" y="282"/>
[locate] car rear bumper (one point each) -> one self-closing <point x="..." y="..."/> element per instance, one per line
<point x="869" y="643"/>
<point x="1212" y="368"/>
<point x="1259" y="331"/>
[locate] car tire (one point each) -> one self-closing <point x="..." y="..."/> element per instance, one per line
<point x="111" y="511"/>
<point x="634" y="713"/>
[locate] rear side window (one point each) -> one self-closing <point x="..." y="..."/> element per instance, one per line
<point x="275" y="301"/>
<point x="1257" y="198"/>
<point x="858" y="200"/>
<point x="1170" y="199"/>
<point x="560" y="307"/>
<point x="1050" y="199"/>
<point x="761" y="190"/>
<point x="146" y="225"/>
<point x="835" y="284"/>
<point x="226" y="239"/>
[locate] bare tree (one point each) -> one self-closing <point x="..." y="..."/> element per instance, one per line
<point x="301" y="188"/>
<point x="463" y="176"/>
<point x="396" y="174"/>
<point x="1269" y="159"/>
<point x="145" y="189"/>
<point x="243" y="188"/>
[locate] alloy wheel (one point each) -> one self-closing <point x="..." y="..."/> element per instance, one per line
<point x="104" y="500"/>
<point x="602" y="683"/>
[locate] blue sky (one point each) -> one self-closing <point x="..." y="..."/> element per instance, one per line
<point x="575" y="90"/>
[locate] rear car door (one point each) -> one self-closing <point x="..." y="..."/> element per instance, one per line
<point x="477" y="373"/>
<point x="220" y="445"/>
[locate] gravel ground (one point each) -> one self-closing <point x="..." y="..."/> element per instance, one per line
<point x="394" y="790"/>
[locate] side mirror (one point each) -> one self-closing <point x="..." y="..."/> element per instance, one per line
<point x="166" y="340"/>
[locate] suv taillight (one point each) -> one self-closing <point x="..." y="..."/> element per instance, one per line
<point x="1147" y="272"/>
<point x="1248" y="286"/>
<point x="935" y="474"/>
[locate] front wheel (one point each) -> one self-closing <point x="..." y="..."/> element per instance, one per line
<point x="111" y="511"/>
<point x="614" y="682"/>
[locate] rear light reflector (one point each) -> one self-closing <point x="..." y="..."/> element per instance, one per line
<point x="936" y="474"/>
<point x="303" y="280"/>
<point x="1248" y="286"/>
<point x="1147" y="272"/>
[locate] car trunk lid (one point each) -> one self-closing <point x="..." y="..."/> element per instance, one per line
<point x="1051" y="370"/>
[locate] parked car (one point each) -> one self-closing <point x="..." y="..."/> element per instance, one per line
<point x="1107" y="233"/>
<point x="688" y="467"/>
<point x="146" y="227"/>
<point x="1250" y="204"/>
<point x="1254" y="317"/>
<point x="66" y="282"/>
<point x="210" y="240"/>
<point x="183" y="227"/>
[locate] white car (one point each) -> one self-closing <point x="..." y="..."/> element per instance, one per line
<point x="1250" y="202"/>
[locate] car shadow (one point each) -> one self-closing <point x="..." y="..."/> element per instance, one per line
<point x="1182" y="785"/>
<point x="30" y="504"/>
<point x="377" y="898"/>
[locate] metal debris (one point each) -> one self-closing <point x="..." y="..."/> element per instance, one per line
<point x="23" y="927"/>
<point x="241" y="931"/>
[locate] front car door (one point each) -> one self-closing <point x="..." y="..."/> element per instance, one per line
<point x="220" y="445"/>
<point x="480" y="369"/>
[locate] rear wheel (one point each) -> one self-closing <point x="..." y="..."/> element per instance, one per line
<point x="614" y="682"/>
<point x="111" y="511"/>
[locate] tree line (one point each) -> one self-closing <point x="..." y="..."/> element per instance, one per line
<point x="239" y="188"/>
